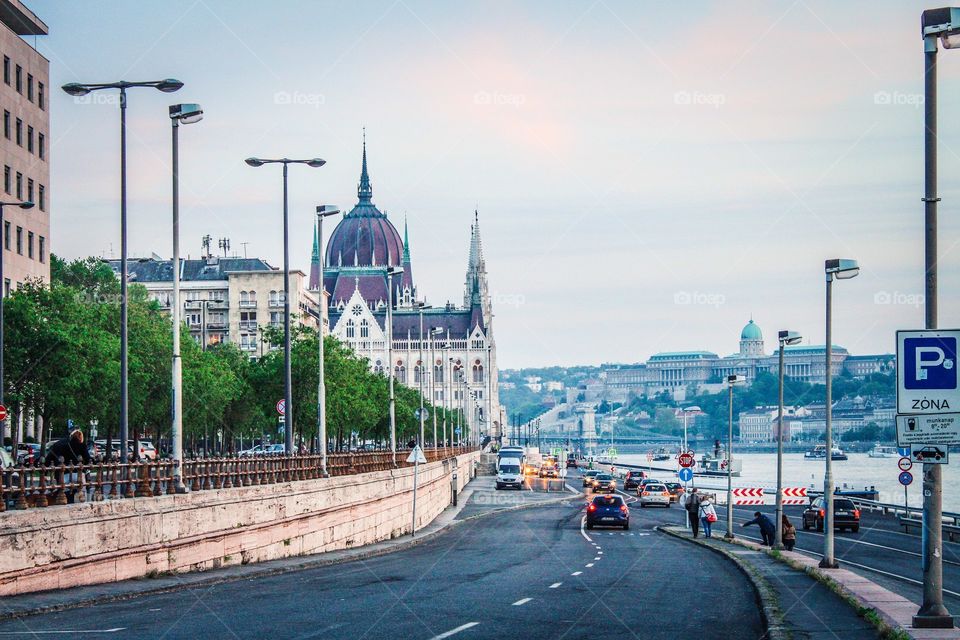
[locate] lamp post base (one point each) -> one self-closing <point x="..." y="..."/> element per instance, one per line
<point x="825" y="564"/>
<point x="728" y="536"/>
<point x="936" y="621"/>
<point x="778" y="546"/>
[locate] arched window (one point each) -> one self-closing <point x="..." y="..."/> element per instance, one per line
<point x="478" y="372"/>
<point x="438" y="373"/>
<point x="364" y="328"/>
<point x="378" y="367"/>
<point x="351" y="329"/>
<point x="400" y="373"/>
<point x="416" y="374"/>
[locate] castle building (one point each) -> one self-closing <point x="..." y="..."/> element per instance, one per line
<point x="447" y="352"/>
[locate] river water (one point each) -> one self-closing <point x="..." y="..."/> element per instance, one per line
<point x="760" y="470"/>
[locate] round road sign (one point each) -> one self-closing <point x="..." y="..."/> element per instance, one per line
<point x="686" y="459"/>
<point x="3" y="412"/>
<point x="905" y="464"/>
<point x="282" y="406"/>
<point x="905" y="478"/>
<point x="685" y="474"/>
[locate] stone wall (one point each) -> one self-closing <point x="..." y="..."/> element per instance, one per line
<point x="95" y="542"/>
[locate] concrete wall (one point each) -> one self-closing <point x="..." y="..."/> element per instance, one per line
<point x="96" y="542"/>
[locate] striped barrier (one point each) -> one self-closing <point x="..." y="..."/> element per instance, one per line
<point x="795" y="496"/>
<point x="748" y="495"/>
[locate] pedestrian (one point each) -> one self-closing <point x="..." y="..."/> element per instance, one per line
<point x="71" y="449"/>
<point x="768" y="530"/>
<point x="789" y="533"/>
<point x="708" y="515"/>
<point x="693" y="511"/>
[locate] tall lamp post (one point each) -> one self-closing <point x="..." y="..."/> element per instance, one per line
<point x="323" y="211"/>
<point x="77" y="89"/>
<point x="686" y="412"/>
<point x="785" y="338"/>
<point x="179" y="114"/>
<point x="732" y="380"/>
<point x="3" y="294"/>
<point x="287" y="375"/>
<point x="839" y="269"/>
<point x="391" y="271"/>
<point x="420" y="307"/>
<point x="943" y="24"/>
<point x="433" y="383"/>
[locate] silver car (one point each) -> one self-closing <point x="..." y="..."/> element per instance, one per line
<point x="657" y="494"/>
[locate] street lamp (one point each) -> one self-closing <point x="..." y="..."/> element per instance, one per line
<point x="179" y="114"/>
<point x="839" y="269"/>
<point x="785" y="338"/>
<point x="433" y="382"/>
<point x="77" y="89"/>
<point x="287" y="375"/>
<point x="323" y="211"/>
<point x="686" y="412"/>
<point x="420" y="307"/>
<point x="3" y="294"/>
<point x="732" y="380"/>
<point x="391" y="271"/>
<point x="943" y="24"/>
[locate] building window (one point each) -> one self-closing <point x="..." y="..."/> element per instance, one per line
<point x="43" y="253"/>
<point x="6" y="69"/>
<point x="437" y="373"/>
<point x="19" y="185"/>
<point x="416" y="374"/>
<point x="42" y="146"/>
<point x="6" y="287"/>
<point x="400" y="373"/>
<point x="6" y="234"/>
<point x="19" y="79"/>
<point x="276" y="318"/>
<point x="248" y="320"/>
<point x="30" y="87"/>
<point x="40" y="96"/>
<point x="478" y="373"/>
<point x="19" y="132"/>
<point x="6" y="178"/>
<point x="351" y="330"/>
<point x="29" y="138"/>
<point x="378" y="367"/>
<point x="30" y="244"/>
<point x="6" y="124"/>
<point x="30" y="189"/>
<point x="43" y="198"/>
<point x="364" y="329"/>
<point x="20" y="240"/>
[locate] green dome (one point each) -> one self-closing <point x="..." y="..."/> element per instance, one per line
<point x="751" y="332"/>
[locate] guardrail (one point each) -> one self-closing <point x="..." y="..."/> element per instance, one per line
<point x="40" y="486"/>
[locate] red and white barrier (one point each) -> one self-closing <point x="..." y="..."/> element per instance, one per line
<point x="795" y="495"/>
<point x="748" y="496"/>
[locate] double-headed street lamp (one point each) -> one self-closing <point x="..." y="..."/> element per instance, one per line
<point x="420" y="307"/>
<point x="732" y="380"/>
<point x="784" y="338"/>
<point x="942" y="24"/>
<point x="391" y="272"/>
<point x="433" y="381"/>
<point x="287" y="375"/>
<point x="77" y="89"/>
<point x="3" y="294"/>
<point x="839" y="269"/>
<point x="323" y="211"/>
<point x="179" y="114"/>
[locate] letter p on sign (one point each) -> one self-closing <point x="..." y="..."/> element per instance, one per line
<point x="930" y="363"/>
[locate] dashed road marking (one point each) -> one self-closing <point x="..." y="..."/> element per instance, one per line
<point x="555" y="585"/>
<point x="599" y="553"/>
<point x="576" y="573"/>
<point x="583" y="523"/>
<point x="522" y="601"/>
<point x="447" y="634"/>
<point x="589" y="564"/>
<point x="597" y="558"/>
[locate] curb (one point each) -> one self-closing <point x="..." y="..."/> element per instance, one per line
<point x="194" y="580"/>
<point x="766" y="595"/>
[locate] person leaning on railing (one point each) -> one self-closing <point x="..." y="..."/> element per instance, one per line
<point x="69" y="450"/>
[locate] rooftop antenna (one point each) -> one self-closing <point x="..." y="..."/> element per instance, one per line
<point x="244" y="248"/>
<point x="224" y="245"/>
<point x="205" y="243"/>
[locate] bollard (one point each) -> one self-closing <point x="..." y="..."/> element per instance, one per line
<point x="21" y="502"/>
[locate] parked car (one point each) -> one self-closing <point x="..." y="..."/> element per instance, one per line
<point x="253" y="451"/>
<point x="27" y="453"/>
<point x="676" y="490"/>
<point x="147" y="450"/>
<point x="632" y="479"/>
<point x="654" y="494"/>
<point x="846" y="515"/>
<point x="603" y="482"/>
<point x="587" y="477"/>
<point x="608" y="511"/>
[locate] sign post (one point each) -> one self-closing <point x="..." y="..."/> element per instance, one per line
<point x="416" y="457"/>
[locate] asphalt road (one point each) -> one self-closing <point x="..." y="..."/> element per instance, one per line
<point x="527" y="574"/>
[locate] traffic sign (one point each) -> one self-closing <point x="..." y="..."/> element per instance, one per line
<point x="686" y="459"/>
<point x="611" y="452"/>
<point x="557" y="451"/>
<point x="927" y="372"/>
<point x="794" y="496"/>
<point x="904" y="452"/>
<point x="940" y="429"/>
<point x="930" y="454"/>
<point x="905" y="478"/>
<point x="282" y="406"/>
<point x="416" y="455"/>
<point x="3" y="412"/>
<point x="905" y="464"/>
<point x="685" y="474"/>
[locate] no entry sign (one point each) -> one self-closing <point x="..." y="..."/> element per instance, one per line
<point x="3" y="412"/>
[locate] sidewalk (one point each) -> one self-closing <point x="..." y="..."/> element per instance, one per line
<point x="809" y="608"/>
<point x="474" y="491"/>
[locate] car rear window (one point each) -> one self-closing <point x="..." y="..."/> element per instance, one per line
<point x="656" y="487"/>
<point x="843" y="504"/>
<point x="602" y="501"/>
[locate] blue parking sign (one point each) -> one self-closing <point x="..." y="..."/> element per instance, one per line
<point x="930" y="363"/>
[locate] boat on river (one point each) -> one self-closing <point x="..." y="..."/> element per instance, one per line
<point x="883" y="451"/>
<point x="711" y="466"/>
<point x="819" y="452"/>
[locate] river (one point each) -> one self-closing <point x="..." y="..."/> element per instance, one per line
<point x="760" y="469"/>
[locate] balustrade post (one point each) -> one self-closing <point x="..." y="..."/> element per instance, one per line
<point x="228" y="476"/>
<point x="21" y="502"/>
<point x="60" y="496"/>
<point x="98" y="484"/>
<point x="81" y="493"/>
<point x="41" y="497"/>
<point x="130" y="475"/>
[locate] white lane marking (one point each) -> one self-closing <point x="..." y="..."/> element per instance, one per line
<point x="576" y="573"/>
<point x="572" y="490"/>
<point x="522" y="601"/>
<point x="597" y="558"/>
<point x="70" y="632"/>
<point x="589" y="564"/>
<point x="555" y="585"/>
<point x="599" y="553"/>
<point x="447" y="634"/>
<point x="583" y="523"/>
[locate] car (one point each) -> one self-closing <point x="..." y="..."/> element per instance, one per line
<point x="676" y="490"/>
<point x="253" y="451"/>
<point x="588" y="477"/>
<point x="147" y="450"/>
<point x="571" y="462"/>
<point x="608" y="511"/>
<point x="509" y="474"/>
<point x="846" y="515"/>
<point x="632" y="479"/>
<point x="28" y="453"/>
<point x="603" y="482"/>
<point x="655" y="494"/>
<point x="647" y="481"/>
<point x="927" y="453"/>
<point x="548" y="470"/>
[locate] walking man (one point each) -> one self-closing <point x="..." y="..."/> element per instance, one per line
<point x="693" y="511"/>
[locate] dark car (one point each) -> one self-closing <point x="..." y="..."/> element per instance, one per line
<point x="604" y="482"/>
<point x="846" y="515"/>
<point x="676" y="490"/>
<point x="588" y="477"/>
<point x="608" y="511"/>
<point x="936" y="453"/>
<point x="571" y="462"/>
<point x="632" y="479"/>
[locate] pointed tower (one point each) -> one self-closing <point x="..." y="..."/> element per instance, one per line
<point x="406" y="281"/>
<point x="315" y="270"/>
<point x="475" y="287"/>
<point x="364" y="189"/>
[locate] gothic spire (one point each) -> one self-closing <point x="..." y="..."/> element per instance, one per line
<point x="315" y="270"/>
<point x="365" y="191"/>
<point x="406" y="243"/>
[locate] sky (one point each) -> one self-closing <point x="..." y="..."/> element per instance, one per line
<point x="647" y="179"/>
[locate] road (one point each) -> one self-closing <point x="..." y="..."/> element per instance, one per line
<point x="531" y="573"/>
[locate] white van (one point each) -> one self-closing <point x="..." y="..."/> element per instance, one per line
<point x="509" y="474"/>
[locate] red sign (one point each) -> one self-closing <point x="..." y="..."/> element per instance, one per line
<point x="282" y="406"/>
<point x="3" y="412"/>
<point x="686" y="459"/>
<point x="905" y="464"/>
